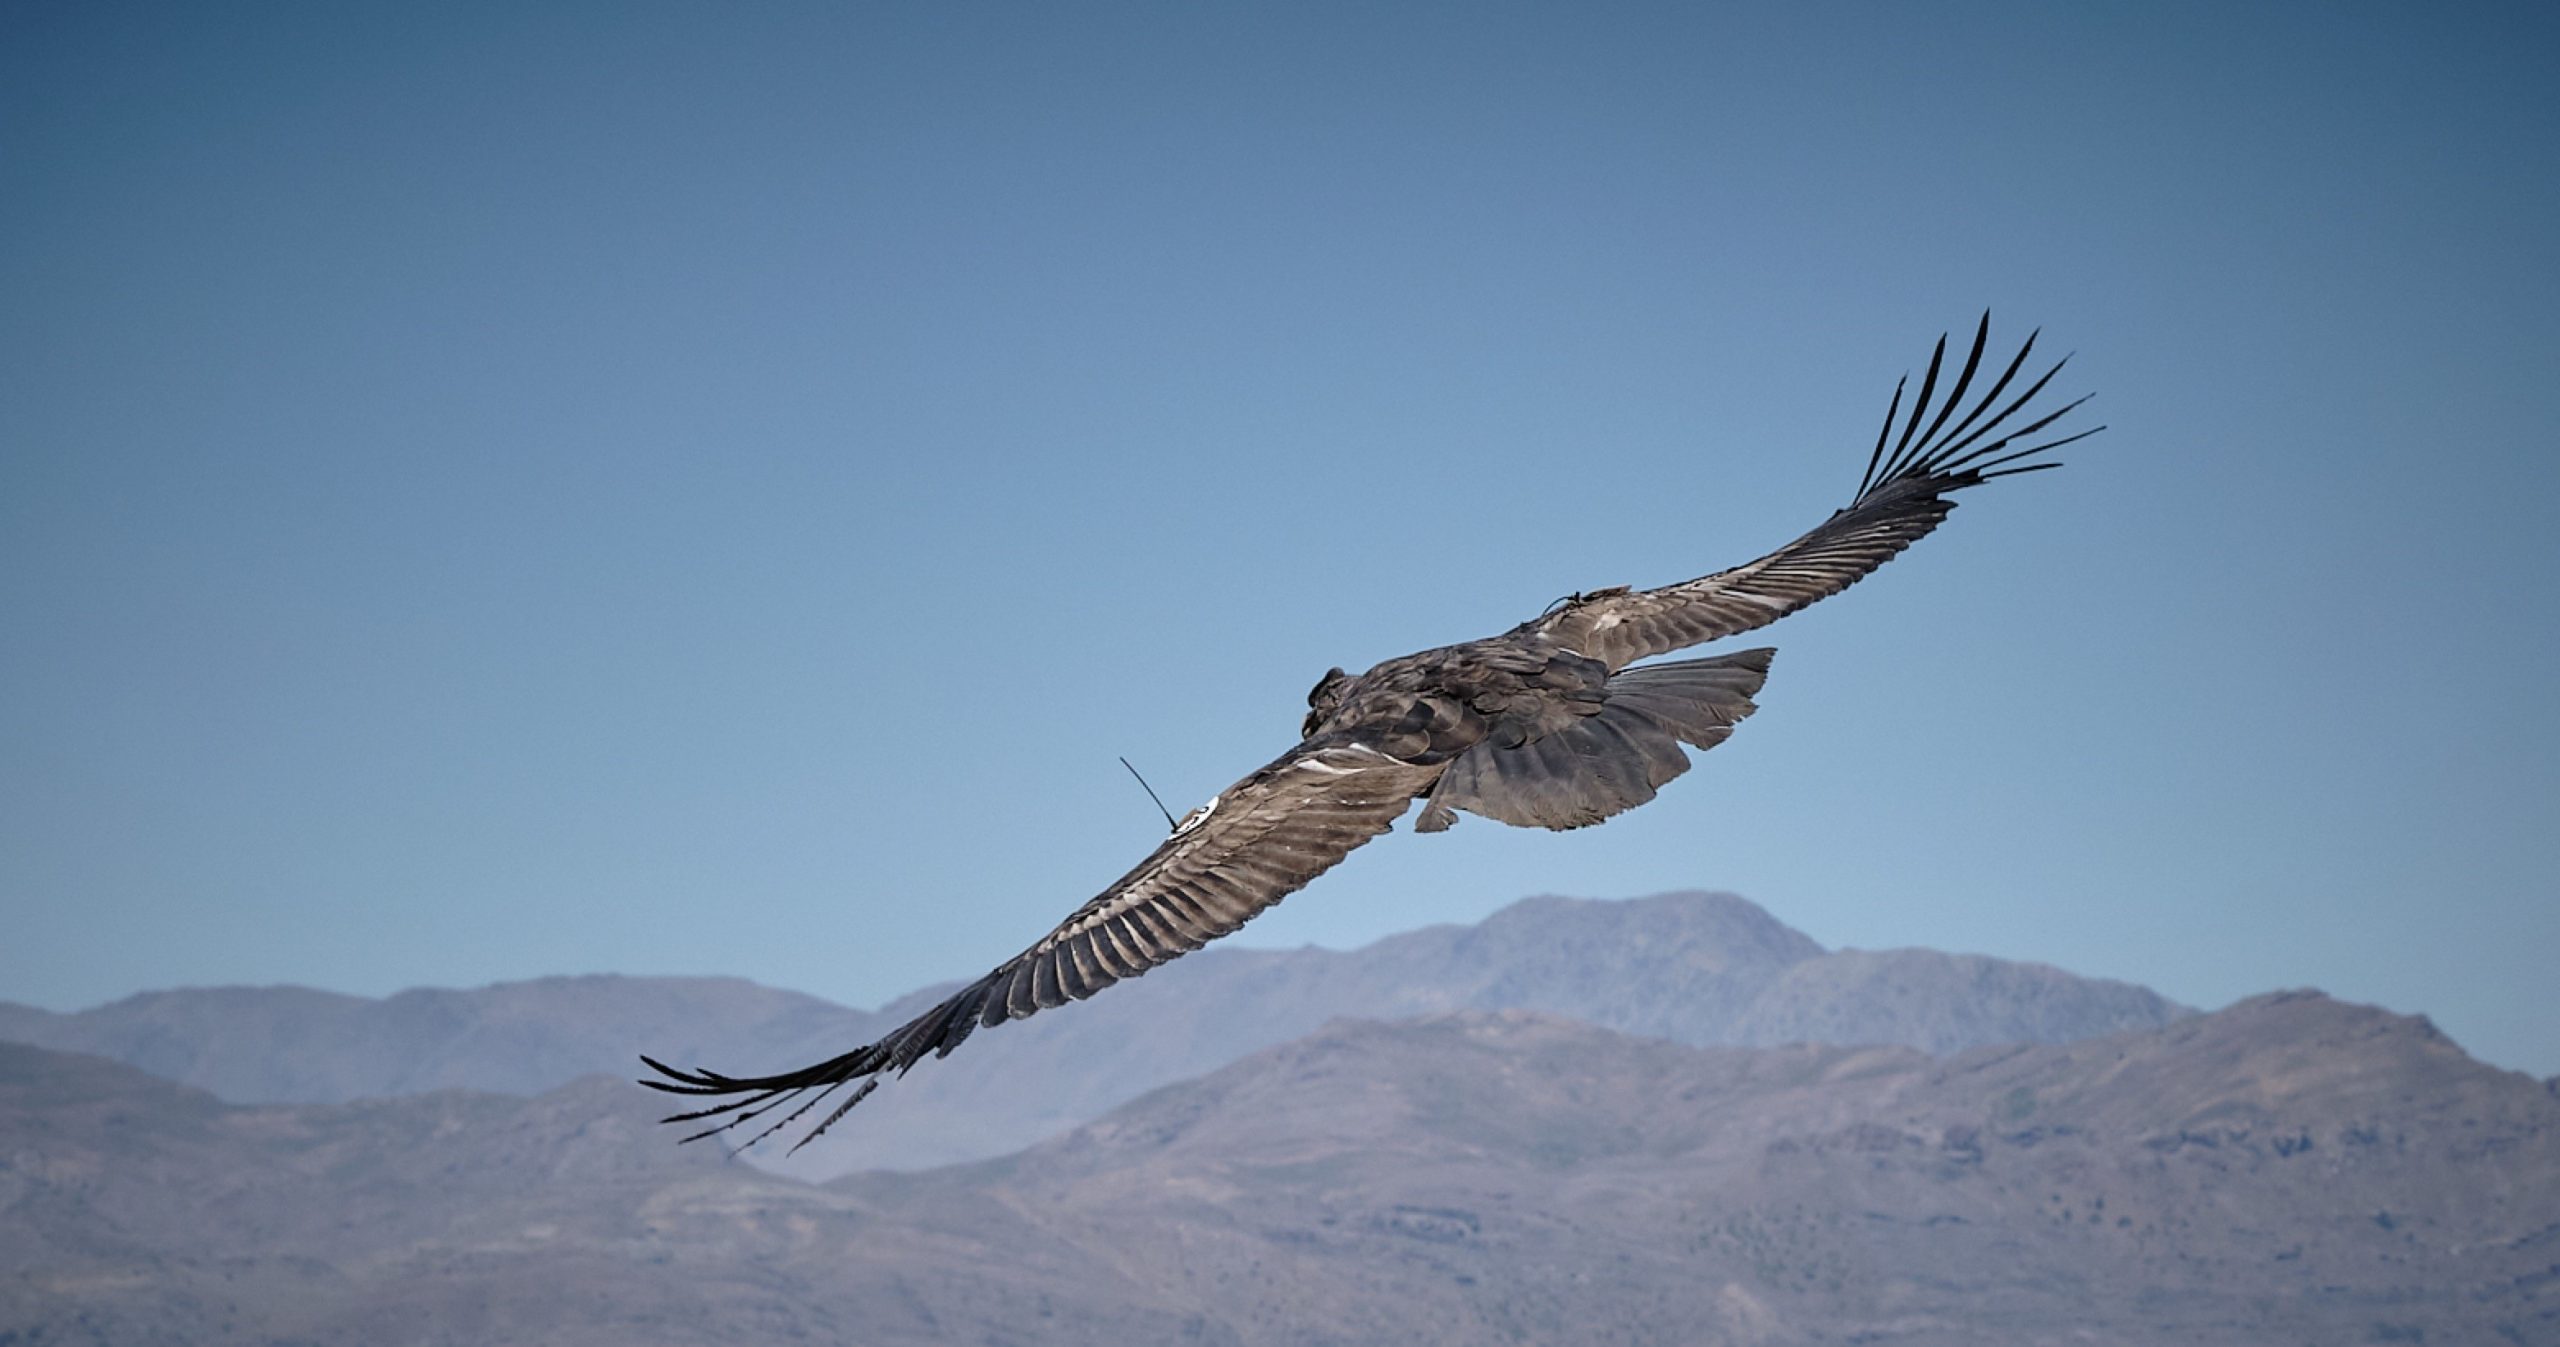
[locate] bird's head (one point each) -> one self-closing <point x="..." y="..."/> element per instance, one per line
<point x="1323" y="700"/>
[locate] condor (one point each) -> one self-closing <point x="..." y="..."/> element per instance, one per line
<point x="1552" y="724"/>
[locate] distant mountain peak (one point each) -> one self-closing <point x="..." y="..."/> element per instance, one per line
<point x="1694" y="921"/>
<point x="1695" y="967"/>
<point x="2290" y="1168"/>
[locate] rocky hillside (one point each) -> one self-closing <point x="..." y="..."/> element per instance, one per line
<point x="2290" y="1170"/>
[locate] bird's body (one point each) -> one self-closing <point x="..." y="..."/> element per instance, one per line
<point x="1552" y="724"/>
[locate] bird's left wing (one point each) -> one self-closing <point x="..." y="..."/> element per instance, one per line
<point x="1904" y="497"/>
<point x="1252" y="845"/>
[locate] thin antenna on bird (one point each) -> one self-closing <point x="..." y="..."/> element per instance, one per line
<point x="1170" y="825"/>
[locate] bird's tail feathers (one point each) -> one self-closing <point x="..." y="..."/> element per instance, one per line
<point x="1698" y="700"/>
<point x="1608" y="762"/>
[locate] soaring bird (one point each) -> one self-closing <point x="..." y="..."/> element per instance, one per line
<point x="1552" y="724"/>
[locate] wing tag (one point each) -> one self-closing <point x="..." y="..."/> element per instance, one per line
<point x="1197" y="816"/>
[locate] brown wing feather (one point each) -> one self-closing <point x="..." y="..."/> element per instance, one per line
<point x="1903" y="497"/>
<point x="1259" y="841"/>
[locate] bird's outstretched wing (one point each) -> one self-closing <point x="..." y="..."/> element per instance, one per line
<point x="1903" y="496"/>
<point x="1258" y="842"/>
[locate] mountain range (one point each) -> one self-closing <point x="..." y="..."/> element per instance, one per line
<point x="1703" y="969"/>
<point x="2287" y="1170"/>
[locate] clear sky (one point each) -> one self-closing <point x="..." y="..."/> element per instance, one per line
<point x="490" y="491"/>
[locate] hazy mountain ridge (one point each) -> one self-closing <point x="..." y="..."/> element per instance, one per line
<point x="2288" y="1170"/>
<point x="1696" y="968"/>
<point x="298" y="1045"/>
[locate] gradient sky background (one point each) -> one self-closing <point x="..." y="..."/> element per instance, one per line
<point x="497" y="491"/>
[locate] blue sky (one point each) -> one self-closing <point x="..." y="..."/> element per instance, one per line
<point x="490" y="491"/>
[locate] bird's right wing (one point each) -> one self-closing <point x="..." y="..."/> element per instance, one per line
<point x="1258" y="842"/>
<point x="1903" y="496"/>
